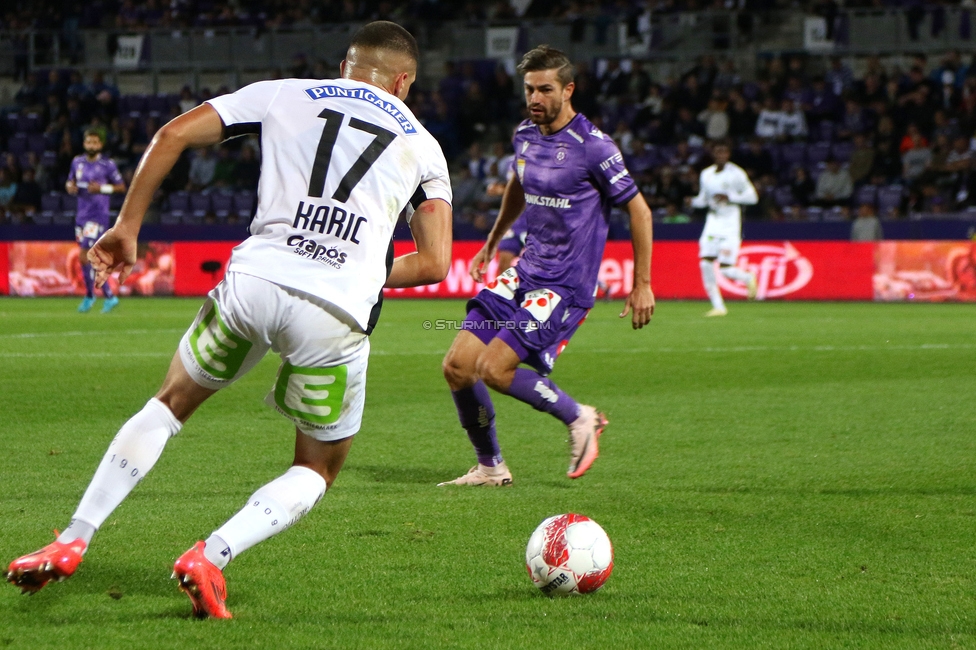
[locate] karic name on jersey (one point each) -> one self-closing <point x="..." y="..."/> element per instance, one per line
<point x="547" y="201"/>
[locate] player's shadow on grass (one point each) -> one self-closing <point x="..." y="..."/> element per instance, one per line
<point x="392" y="474"/>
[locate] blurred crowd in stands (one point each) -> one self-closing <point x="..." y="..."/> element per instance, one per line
<point x="818" y="145"/>
<point x="819" y="142"/>
<point x="267" y="14"/>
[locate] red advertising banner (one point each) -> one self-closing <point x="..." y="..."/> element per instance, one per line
<point x="4" y="269"/>
<point x="53" y="268"/>
<point x="200" y="265"/>
<point x="787" y="271"/>
<point x="930" y="271"/>
<point x="806" y="270"/>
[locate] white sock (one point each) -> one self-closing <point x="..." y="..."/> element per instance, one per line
<point x="271" y="510"/>
<point x="133" y="452"/>
<point x="217" y="551"/>
<point x="711" y="284"/>
<point x="735" y="273"/>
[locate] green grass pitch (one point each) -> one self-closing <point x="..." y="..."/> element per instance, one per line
<point x="790" y="476"/>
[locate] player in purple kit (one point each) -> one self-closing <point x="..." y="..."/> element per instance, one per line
<point x="567" y="176"/>
<point x="511" y="245"/>
<point x="93" y="179"/>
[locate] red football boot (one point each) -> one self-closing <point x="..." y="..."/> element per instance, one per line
<point x="202" y="582"/>
<point x="56" y="561"/>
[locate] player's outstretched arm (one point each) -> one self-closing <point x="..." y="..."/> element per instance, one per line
<point x="513" y="202"/>
<point x="640" y="302"/>
<point x="116" y="249"/>
<point x="431" y="229"/>
<point x="745" y="194"/>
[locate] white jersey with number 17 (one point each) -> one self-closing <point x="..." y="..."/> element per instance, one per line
<point x="340" y="161"/>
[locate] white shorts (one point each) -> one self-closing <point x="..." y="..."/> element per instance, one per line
<point x="321" y="384"/>
<point x="724" y="248"/>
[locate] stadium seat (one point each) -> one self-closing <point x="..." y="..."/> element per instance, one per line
<point x="28" y="123"/>
<point x="866" y="194"/>
<point x="793" y="154"/>
<point x="37" y="142"/>
<point x="223" y="204"/>
<point x="835" y="213"/>
<point x="889" y="201"/>
<point x="69" y="206"/>
<point x="17" y="144"/>
<point x="159" y="104"/>
<point x="169" y="218"/>
<point x="179" y="202"/>
<point x="244" y="203"/>
<point x="50" y="205"/>
<point x="824" y="131"/>
<point x="783" y="196"/>
<point x="814" y="213"/>
<point x="199" y="205"/>
<point x="139" y="103"/>
<point x="842" y="151"/>
<point x="818" y="153"/>
<point x="815" y="170"/>
<point x="42" y="218"/>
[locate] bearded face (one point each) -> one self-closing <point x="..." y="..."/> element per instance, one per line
<point x="545" y="95"/>
<point x="92" y="145"/>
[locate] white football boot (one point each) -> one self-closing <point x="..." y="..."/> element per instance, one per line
<point x="584" y="433"/>
<point x="497" y="476"/>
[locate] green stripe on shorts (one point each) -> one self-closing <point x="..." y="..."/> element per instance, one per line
<point x="311" y="394"/>
<point x="219" y="351"/>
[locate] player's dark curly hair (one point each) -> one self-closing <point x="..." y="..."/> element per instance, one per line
<point x="544" y="57"/>
<point x="384" y="35"/>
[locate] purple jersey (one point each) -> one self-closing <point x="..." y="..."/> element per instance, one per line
<point x="571" y="179"/>
<point x="514" y="240"/>
<point x="93" y="207"/>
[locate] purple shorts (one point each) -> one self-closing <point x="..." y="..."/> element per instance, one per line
<point x="535" y="322"/>
<point x="88" y="233"/>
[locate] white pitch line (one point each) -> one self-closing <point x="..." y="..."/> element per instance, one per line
<point x="40" y="335"/>
<point x="783" y="348"/>
<point x="736" y="349"/>
<point x="81" y="355"/>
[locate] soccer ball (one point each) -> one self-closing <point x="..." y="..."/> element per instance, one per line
<point x="569" y="554"/>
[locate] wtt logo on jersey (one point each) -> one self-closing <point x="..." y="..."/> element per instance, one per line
<point x="780" y="271"/>
<point x="363" y="94"/>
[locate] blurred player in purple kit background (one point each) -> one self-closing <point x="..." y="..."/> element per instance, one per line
<point x="93" y="179"/>
<point x="568" y="175"/>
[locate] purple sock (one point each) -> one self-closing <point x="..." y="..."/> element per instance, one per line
<point x="87" y="272"/>
<point x="543" y="395"/>
<point x="477" y="416"/>
<point x="107" y="290"/>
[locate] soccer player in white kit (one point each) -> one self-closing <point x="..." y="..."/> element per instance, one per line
<point x="723" y="188"/>
<point x="341" y="159"/>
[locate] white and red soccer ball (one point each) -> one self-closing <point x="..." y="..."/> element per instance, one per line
<point x="569" y="554"/>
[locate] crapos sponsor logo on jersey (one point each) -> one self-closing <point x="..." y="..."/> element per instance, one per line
<point x="780" y="270"/>
<point x="327" y="255"/>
